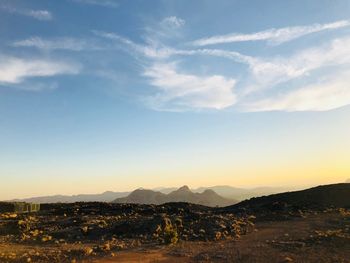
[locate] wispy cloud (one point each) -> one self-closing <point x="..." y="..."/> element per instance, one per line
<point x="181" y="90"/>
<point x="35" y="86"/>
<point x="173" y="22"/>
<point x="37" y="14"/>
<point x="273" y="36"/>
<point x="105" y="3"/>
<point x="266" y="73"/>
<point x="144" y="50"/>
<point x="329" y="94"/>
<point x="16" y="70"/>
<point x="167" y="29"/>
<point x="64" y="43"/>
<point x="158" y="51"/>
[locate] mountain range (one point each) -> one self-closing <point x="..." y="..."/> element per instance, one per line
<point x="107" y="196"/>
<point x="235" y="193"/>
<point x="183" y="194"/>
<point x="225" y="191"/>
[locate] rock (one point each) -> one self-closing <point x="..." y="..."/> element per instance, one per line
<point x="46" y="238"/>
<point x="287" y="259"/>
<point x="178" y="222"/>
<point x="88" y="251"/>
<point x="84" y="229"/>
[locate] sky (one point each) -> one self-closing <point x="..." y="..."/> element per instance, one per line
<point x="100" y="95"/>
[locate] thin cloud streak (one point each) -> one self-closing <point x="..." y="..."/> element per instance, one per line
<point x="63" y="43"/>
<point x="144" y="50"/>
<point x="164" y="52"/>
<point x="273" y="36"/>
<point x="43" y="15"/>
<point x="16" y="70"/>
<point x="35" y="86"/>
<point x="105" y="3"/>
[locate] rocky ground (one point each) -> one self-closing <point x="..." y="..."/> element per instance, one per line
<point x="174" y="232"/>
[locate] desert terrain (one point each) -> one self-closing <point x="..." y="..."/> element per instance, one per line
<point x="290" y="227"/>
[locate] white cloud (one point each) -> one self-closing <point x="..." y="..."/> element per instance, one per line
<point x="266" y="73"/>
<point x="105" y="3"/>
<point x="16" y="70"/>
<point x="173" y="22"/>
<point x="37" y="14"/>
<point x="273" y="36"/>
<point x="179" y="90"/>
<point x="65" y="43"/>
<point x="327" y="95"/>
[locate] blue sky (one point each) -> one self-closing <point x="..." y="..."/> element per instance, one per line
<point x="114" y="95"/>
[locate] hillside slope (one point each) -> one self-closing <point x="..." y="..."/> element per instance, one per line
<point x="334" y="195"/>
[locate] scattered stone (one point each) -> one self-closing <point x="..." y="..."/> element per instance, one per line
<point x="287" y="259"/>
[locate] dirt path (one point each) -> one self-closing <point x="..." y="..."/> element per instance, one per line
<point x="158" y="255"/>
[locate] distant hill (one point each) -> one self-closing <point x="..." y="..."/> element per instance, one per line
<point x="243" y="193"/>
<point x="183" y="194"/>
<point x="347" y="181"/>
<point x="333" y="195"/>
<point x="104" y="197"/>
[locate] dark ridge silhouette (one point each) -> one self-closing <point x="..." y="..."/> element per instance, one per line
<point x="183" y="194"/>
<point x="320" y="197"/>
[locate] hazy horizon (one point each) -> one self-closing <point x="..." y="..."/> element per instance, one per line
<point x="114" y="95"/>
<point x="160" y="188"/>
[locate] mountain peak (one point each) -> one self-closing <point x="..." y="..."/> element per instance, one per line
<point x="184" y="188"/>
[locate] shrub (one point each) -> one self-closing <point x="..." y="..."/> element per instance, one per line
<point x="170" y="234"/>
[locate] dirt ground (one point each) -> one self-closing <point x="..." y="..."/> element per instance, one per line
<point x="66" y="234"/>
<point x="311" y="239"/>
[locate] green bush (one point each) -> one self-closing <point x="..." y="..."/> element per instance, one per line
<point x="170" y="234"/>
